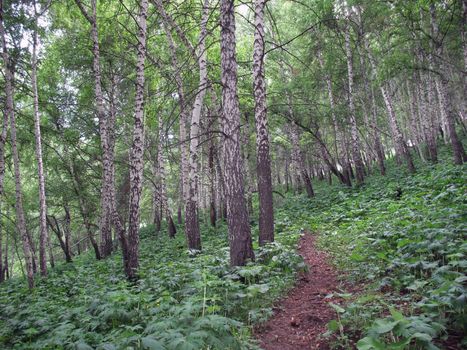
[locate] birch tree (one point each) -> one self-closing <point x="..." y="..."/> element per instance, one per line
<point x="107" y="183"/>
<point x="40" y="166"/>
<point x="137" y="147"/>
<point x="263" y="160"/>
<point x="241" y="248"/>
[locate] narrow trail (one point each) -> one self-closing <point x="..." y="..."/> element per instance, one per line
<point x="302" y="316"/>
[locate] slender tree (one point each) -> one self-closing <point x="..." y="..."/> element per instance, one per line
<point x="107" y="183"/>
<point x="355" y="139"/>
<point x="263" y="160"/>
<point x="10" y="112"/>
<point x="137" y="147"/>
<point x="40" y="166"/>
<point x="444" y="92"/>
<point x="237" y="213"/>
<point x="191" y="209"/>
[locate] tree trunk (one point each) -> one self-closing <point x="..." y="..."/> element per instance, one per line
<point x="338" y="139"/>
<point x="9" y="111"/>
<point x="263" y="159"/>
<point x="191" y="210"/>
<point x="237" y="214"/>
<point x="55" y="226"/>
<point x="137" y="148"/>
<point x="402" y="151"/>
<point x="425" y="117"/>
<point x="6" y="265"/>
<point x="212" y="187"/>
<point x="37" y="132"/>
<point x="376" y="134"/>
<point x="212" y="174"/>
<point x="369" y="93"/>
<point x="184" y="149"/>
<point x="164" y="205"/>
<point x="444" y="93"/>
<point x="67" y="229"/>
<point x="105" y="222"/>
<point x="3" y="138"/>
<point x="356" y="155"/>
<point x="245" y="150"/>
<point x="156" y="189"/>
<point x="298" y="159"/>
<point x="51" y="254"/>
<point x="83" y="209"/>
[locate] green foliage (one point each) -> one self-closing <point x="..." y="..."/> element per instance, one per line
<point x="180" y="302"/>
<point x="409" y="251"/>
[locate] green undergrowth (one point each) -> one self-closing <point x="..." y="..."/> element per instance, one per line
<point x="400" y="239"/>
<point x="182" y="301"/>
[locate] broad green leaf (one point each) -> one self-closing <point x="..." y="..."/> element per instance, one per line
<point x="152" y="344"/>
<point x="369" y="343"/>
<point x="384" y="325"/>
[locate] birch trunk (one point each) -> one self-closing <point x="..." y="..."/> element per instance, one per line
<point x="191" y="210"/>
<point x="356" y="155"/>
<point x="245" y="142"/>
<point x="445" y="98"/>
<point x="343" y="176"/>
<point x="3" y="138"/>
<point x="299" y="161"/>
<point x="9" y="111"/>
<point x="164" y="205"/>
<point x="402" y="150"/>
<point x="156" y="189"/>
<point x="184" y="148"/>
<point x="37" y="133"/>
<point x="137" y="148"/>
<point x="416" y="135"/>
<point x="105" y="222"/>
<point x="212" y="184"/>
<point x="241" y="248"/>
<point x="425" y="117"/>
<point x="263" y="159"/>
<point x="378" y="148"/>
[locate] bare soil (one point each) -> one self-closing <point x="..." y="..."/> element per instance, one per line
<point x="301" y="318"/>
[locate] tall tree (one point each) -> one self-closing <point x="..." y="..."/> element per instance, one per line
<point x="107" y="183"/>
<point x="191" y="209"/>
<point x="444" y="92"/>
<point x="10" y="111"/>
<point x="40" y="166"/>
<point x="162" y="183"/>
<point x="355" y="148"/>
<point x="241" y="248"/>
<point x="137" y="147"/>
<point x="400" y="145"/>
<point x="182" y="101"/>
<point x="263" y="160"/>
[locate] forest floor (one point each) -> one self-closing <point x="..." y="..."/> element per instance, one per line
<point x="386" y="271"/>
<point x="301" y="318"/>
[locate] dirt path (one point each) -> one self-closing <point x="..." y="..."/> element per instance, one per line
<point x="302" y="316"/>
